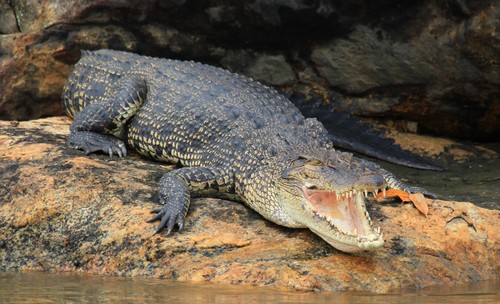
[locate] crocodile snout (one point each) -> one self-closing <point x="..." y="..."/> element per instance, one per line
<point x="370" y="182"/>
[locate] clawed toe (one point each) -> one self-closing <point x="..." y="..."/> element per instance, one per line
<point x="91" y="142"/>
<point x="154" y="218"/>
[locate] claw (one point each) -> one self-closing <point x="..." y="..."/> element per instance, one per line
<point x="154" y="218"/>
<point x="180" y="224"/>
<point x="158" y="229"/>
<point x="122" y="150"/>
<point x="162" y="224"/>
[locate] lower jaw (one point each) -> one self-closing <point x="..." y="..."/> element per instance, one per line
<point x="353" y="246"/>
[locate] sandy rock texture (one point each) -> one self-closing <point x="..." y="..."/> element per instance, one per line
<point x="63" y="211"/>
<point x="429" y="64"/>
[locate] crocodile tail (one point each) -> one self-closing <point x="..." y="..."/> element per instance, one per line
<point x="353" y="134"/>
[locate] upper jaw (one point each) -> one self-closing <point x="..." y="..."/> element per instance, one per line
<point x="342" y="220"/>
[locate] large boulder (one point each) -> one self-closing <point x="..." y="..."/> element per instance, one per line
<point x="63" y="211"/>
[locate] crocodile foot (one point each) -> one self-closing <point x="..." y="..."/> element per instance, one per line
<point x="168" y="218"/>
<point x="92" y="142"/>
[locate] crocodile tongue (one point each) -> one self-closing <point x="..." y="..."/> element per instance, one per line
<point x="342" y="211"/>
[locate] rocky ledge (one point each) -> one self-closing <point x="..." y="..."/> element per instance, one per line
<point x="63" y="211"/>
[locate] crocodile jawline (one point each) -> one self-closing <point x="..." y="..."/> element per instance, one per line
<point x="349" y="221"/>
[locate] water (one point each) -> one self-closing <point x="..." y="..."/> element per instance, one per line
<point x="70" y="288"/>
<point x="476" y="180"/>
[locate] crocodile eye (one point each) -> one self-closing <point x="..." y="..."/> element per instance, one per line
<point x="311" y="187"/>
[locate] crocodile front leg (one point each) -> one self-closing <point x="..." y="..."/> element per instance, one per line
<point x="175" y="190"/>
<point x="96" y="126"/>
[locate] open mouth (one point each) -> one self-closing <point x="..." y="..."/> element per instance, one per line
<point x="351" y="227"/>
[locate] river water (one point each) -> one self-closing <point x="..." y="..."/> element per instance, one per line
<point x="476" y="180"/>
<point x="25" y="288"/>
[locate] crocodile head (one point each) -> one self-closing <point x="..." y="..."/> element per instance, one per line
<point x="328" y="197"/>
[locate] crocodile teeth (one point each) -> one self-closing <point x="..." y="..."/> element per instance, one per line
<point x="383" y="191"/>
<point x="366" y="193"/>
<point x="368" y="217"/>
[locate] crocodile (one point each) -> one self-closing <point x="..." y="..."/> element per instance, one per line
<point x="231" y="137"/>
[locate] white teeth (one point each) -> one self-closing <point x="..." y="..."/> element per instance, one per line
<point x="383" y="192"/>
<point x="366" y="193"/>
<point x="378" y="230"/>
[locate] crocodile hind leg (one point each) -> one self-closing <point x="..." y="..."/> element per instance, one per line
<point x="98" y="126"/>
<point x="175" y="190"/>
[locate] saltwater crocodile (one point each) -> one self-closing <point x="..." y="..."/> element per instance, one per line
<point x="233" y="137"/>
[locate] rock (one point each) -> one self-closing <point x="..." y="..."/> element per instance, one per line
<point x="32" y="75"/>
<point x="63" y="211"/>
<point x="369" y="59"/>
<point x="272" y="70"/>
<point x="8" y="23"/>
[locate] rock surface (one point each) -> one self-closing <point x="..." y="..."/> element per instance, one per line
<point x="63" y="211"/>
<point x="433" y="64"/>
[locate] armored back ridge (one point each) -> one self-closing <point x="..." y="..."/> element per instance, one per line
<point x="234" y="137"/>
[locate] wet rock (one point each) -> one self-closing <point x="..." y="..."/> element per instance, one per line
<point x="63" y="211"/>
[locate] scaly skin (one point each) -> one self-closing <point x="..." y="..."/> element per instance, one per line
<point x="234" y="138"/>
